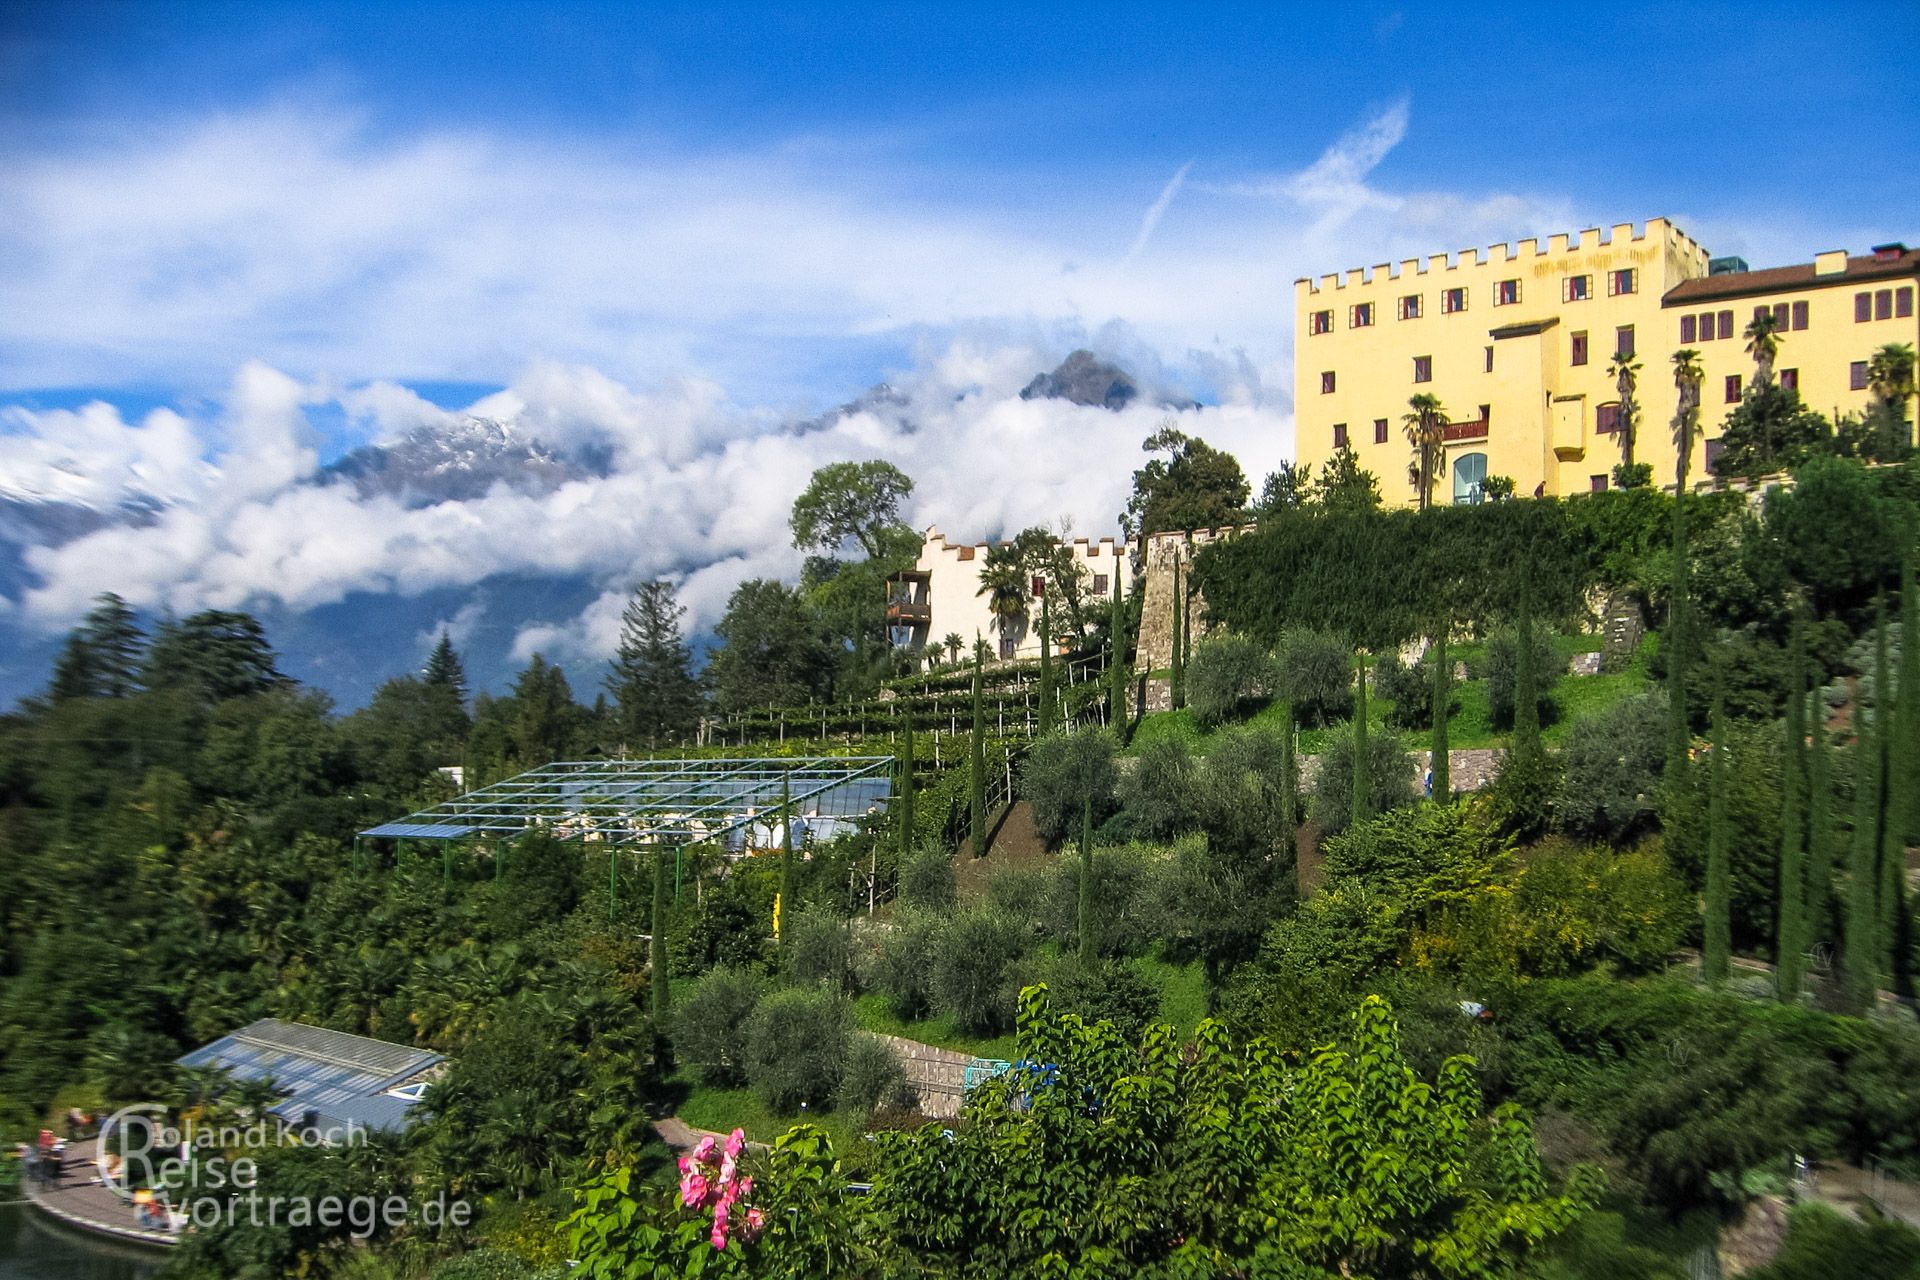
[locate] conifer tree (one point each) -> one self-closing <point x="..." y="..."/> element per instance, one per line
<point x="444" y="668"/>
<point x="1087" y="956"/>
<point x="102" y="657"/>
<point x="1863" y="908"/>
<point x="73" y="672"/>
<point x="786" y="866"/>
<point x="1046" y="666"/>
<point x="1716" y="947"/>
<point x="1442" y="765"/>
<point x="977" y="755"/>
<point x="1362" y="773"/>
<point x="906" y="787"/>
<point x="652" y="679"/>
<point x="1791" y="941"/>
<point x="1117" y="669"/>
<point x="1820" y="834"/>
<point x="659" y="997"/>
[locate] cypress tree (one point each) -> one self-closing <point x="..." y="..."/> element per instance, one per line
<point x="1362" y="771"/>
<point x="1820" y="839"/>
<point x="1177" y="676"/>
<point x="1863" y="920"/>
<point x="1442" y="765"/>
<point x="977" y="755"/>
<point x="906" y="787"/>
<point x="659" y="998"/>
<point x="444" y="668"/>
<point x="786" y="863"/>
<point x="1086" y="881"/>
<point x="1526" y="678"/>
<point x="1673" y="647"/>
<point x="1046" y="666"/>
<point x="1716" y="947"/>
<point x="1791" y="942"/>
<point x="1117" y="666"/>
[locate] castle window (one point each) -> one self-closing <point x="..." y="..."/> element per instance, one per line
<point x="1320" y="322"/>
<point x="1726" y="324"/>
<point x="1862" y="307"/>
<point x="1423" y="368"/>
<point x="1326" y="383"/>
<point x="1781" y="313"/>
<point x="1339" y="435"/>
<point x="1606" y="419"/>
<point x="1789" y="379"/>
<point x="1799" y="315"/>
<point x="1410" y="307"/>
<point x="1489" y="359"/>
<point x="1506" y="293"/>
<point x="1360" y="315"/>
<point x="1007" y="643"/>
<point x="1713" y="454"/>
<point x="1099" y="584"/>
<point x="1623" y="340"/>
<point x="1577" y="289"/>
<point x="1596" y="484"/>
<point x="1733" y="388"/>
<point x="1453" y="300"/>
<point x="1857" y="375"/>
<point x="1903" y="303"/>
<point x="1469" y="472"/>
<point x="1706" y="326"/>
<point x="1577" y="348"/>
<point x="1624" y="281"/>
<point x="1379" y="430"/>
<point x="1883" y="304"/>
<point x="1688" y="332"/>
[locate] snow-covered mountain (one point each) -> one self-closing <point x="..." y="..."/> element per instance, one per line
<point x="460" y="462"/>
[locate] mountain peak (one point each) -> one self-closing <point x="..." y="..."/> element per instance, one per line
<point x="457" y="462"/>
<point x="1084" y="378"/>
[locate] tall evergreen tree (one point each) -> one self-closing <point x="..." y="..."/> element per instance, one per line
<point x="652" y="679"/>
<point x="1362" y="772"/>
<point x="73" y="672"/>
<point x="1791" y="942"/>
<point x="977" y="756"/>
<point x="1046" y="664"/>
<point x="115" y="646"/>
<point x="906" y="785"/>
<point x="1862" y="952"/>
<point x="1088" y="954"/>
<point x="545" y="719"/>
<point x="1820" y="833"/>
<point x="786" y="866"/>
<point x="444" y="668"/>
<point x="659" y="983"/>
<point x="217" y="654"/>
<point x="1442" y="765"/>
<point x="1716" y="947"/>
<point x="1117" y="669"/>
<point x="1526" y="743"/>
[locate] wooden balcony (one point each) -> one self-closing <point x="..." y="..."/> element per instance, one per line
<point x="1475" y="430"/>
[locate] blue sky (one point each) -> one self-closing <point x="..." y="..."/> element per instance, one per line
<point x="238" y="239"/>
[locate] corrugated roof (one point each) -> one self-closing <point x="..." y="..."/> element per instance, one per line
<point x="1741" y="284"/>
<point x="330" y="1074"/>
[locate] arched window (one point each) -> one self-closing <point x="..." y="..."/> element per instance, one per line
<point x="1469" y="470"/>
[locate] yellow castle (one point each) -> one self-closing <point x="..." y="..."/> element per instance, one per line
<point x="1516" y="343"/>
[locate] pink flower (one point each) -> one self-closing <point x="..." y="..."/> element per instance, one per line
<point x="719" y="1236"/>
<point x="756" y="1222"/>
<point x="736" y="1143"/>
<point x="704" y="1152"/>
<point x="694" y="1189"/>
<point x="744" y="1187"/>
<point x="728" y="1167"/>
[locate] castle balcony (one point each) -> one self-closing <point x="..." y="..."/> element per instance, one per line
<point x="909" y="611"/>
<point x="1475" y="430"/>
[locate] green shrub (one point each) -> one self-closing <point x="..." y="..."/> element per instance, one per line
<point x="904" y="963"/>
<point x="1127" y="881"/>
<point x="873" y="1078"/>
<point x="710" y="1020"/>
<point x="1390" y="771"/>
<point x="1113" y="992"/>
<point x="1228" y="677"/>
<point x="973" y="978"/>
<point x="1313" y="670"/>
<point x="926" y="879"/>
<point x="1523" y="791"/>
<point x="1612" y="765"/>
<point x="1408" y="691"/>
<point x="1061" y="771"/>
<point x="818" y="949"/>
<point x="1160" y="791"/>
<point x="1499" y="666"/>
<point x="797" y="1047"/>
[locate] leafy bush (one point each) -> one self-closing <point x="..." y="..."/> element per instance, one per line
<point x="1408" y="689"/>
<point x="926" y="879"/>
<point x="1127" y="884"/>
<point x="1390" y="771"/>
<point x="1821" y="1243"/>
<point x="1115" y="992"/>
<point x="1502" y="652"/>
<point x="710" y="1020"/>
<point x="1227" y="678"/>
<point x="1241" y="794"/>
<point x="1062" y="771"/>
<point x="797" y="1047"/>
<point x="1159" y="793"/>
<point x="873" y="1078"/>
<point x="1313" y="670"/>
<point x="1523" y="791"/>
<point x="973" y="980"/>
<point x="817" y="948"/>
<point x="1612" y="766"/>
<point x="904" y="965"/>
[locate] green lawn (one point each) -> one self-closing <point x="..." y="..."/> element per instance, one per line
<point x="1471" y="726"/>
<point x="724" y="1110"/>
<point x="871" y="1012"/>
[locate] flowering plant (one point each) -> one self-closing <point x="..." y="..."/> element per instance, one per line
<point x="710" y="1180"/>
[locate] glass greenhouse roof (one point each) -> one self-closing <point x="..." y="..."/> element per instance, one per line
<point x="658" y="801"/>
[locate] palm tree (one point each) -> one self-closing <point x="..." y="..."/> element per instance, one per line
<point x="1890" y="375"/>
<point x="1427" y="433"/>
<point x="1003" y="580"/>
<point x="1763" y="343"/>
<point x="1625" y="371"/>
<point x="1687" y="376"/>
<point x="953" y="644"/>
